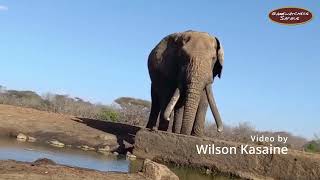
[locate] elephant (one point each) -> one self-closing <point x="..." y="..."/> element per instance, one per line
<point x="182" y="68"/>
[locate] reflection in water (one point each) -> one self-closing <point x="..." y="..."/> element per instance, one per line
<point x="182" y="172"/>
<point x="29" y="152"/>
<point x="135" y="166"/>
<point x="191" y="174"/>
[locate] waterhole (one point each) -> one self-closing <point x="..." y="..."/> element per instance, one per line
<point x="29" y="152"/>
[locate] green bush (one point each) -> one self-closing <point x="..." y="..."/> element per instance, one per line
<point x="107" y="114"/>
<point x="313" y="146"/>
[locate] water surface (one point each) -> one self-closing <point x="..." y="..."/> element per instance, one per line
<point x="29" y="152"/>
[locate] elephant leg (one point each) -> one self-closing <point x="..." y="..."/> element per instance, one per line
<point x="166" y="94"/>
<point x="198" y="126"/>
<point x="163" y="123"/>
<point x="155" y="109"/>
<point x="178" y="117"/>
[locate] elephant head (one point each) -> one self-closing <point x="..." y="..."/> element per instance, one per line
<point x="200" y="58"/>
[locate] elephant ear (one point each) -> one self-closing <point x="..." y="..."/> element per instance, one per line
<point x="217" y="69"/>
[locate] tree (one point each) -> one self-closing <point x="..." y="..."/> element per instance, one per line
<point x="125" y="101"/>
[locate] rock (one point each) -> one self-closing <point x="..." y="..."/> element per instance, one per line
<point x="104" y="149"/>
<point x="22" y="137"/>
<point x="106" y="153"/>
<point x="87" y="148"/>
<point x="107" y="150"/>
<point x="157" y="171"/>
<point x="32" y="139"/>
<point x="108" y="137"/>
<point x="131" y="156"/>
<point x="127" y="145"/>
<point x="56" y="143"/>
<point x="43" y="161"/>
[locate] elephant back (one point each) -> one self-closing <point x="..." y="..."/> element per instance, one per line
<point x="162" y="60"/>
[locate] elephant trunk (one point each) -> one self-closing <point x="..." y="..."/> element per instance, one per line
<point x="193" y="94"/>
<point x="198" y="72"/>
<point x="214" y="108"/>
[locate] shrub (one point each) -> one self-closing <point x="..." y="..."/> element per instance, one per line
<point x="313" y="146"/>
<point x="108" y="114"/>
<point x="136" y="112"/>
<point x="21" y="98"/>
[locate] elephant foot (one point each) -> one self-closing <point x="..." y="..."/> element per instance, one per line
<point x="197" y="133"/>
<point x="163" y="125"/>
<point x="152" y="129"/>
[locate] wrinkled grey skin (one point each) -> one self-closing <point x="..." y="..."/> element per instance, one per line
<point x="182" y="68"/>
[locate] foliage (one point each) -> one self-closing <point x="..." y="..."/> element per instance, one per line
<point x="20" y="98"/>
<point x="136" y="112"/>
<point x="131" y="111"/>
<point x="108" y="115"/>
<point x="124" y="101"/>
<point x="313" y="146"/>
<point x="56" y="103"/>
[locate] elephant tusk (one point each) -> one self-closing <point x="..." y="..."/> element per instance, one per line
<point x="214" y="108"/>
<point x="172" y="103"/>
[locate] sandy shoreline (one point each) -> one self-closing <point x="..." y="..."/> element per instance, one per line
<point x="11" y="170"/>
<point x="65" y="131"/>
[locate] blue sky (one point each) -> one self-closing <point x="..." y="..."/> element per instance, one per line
<point x="98" y="50"/>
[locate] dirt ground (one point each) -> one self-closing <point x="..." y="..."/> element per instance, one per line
<point x="15" y="170"/>
<point x="70" y="130"/>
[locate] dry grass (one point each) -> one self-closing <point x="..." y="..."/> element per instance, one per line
<point x="134" y="112"/>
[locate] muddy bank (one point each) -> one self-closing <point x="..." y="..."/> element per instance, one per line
<point x="181" y="150"/>
<point x="47" y="169"/>
<point x="62" y="130"/>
